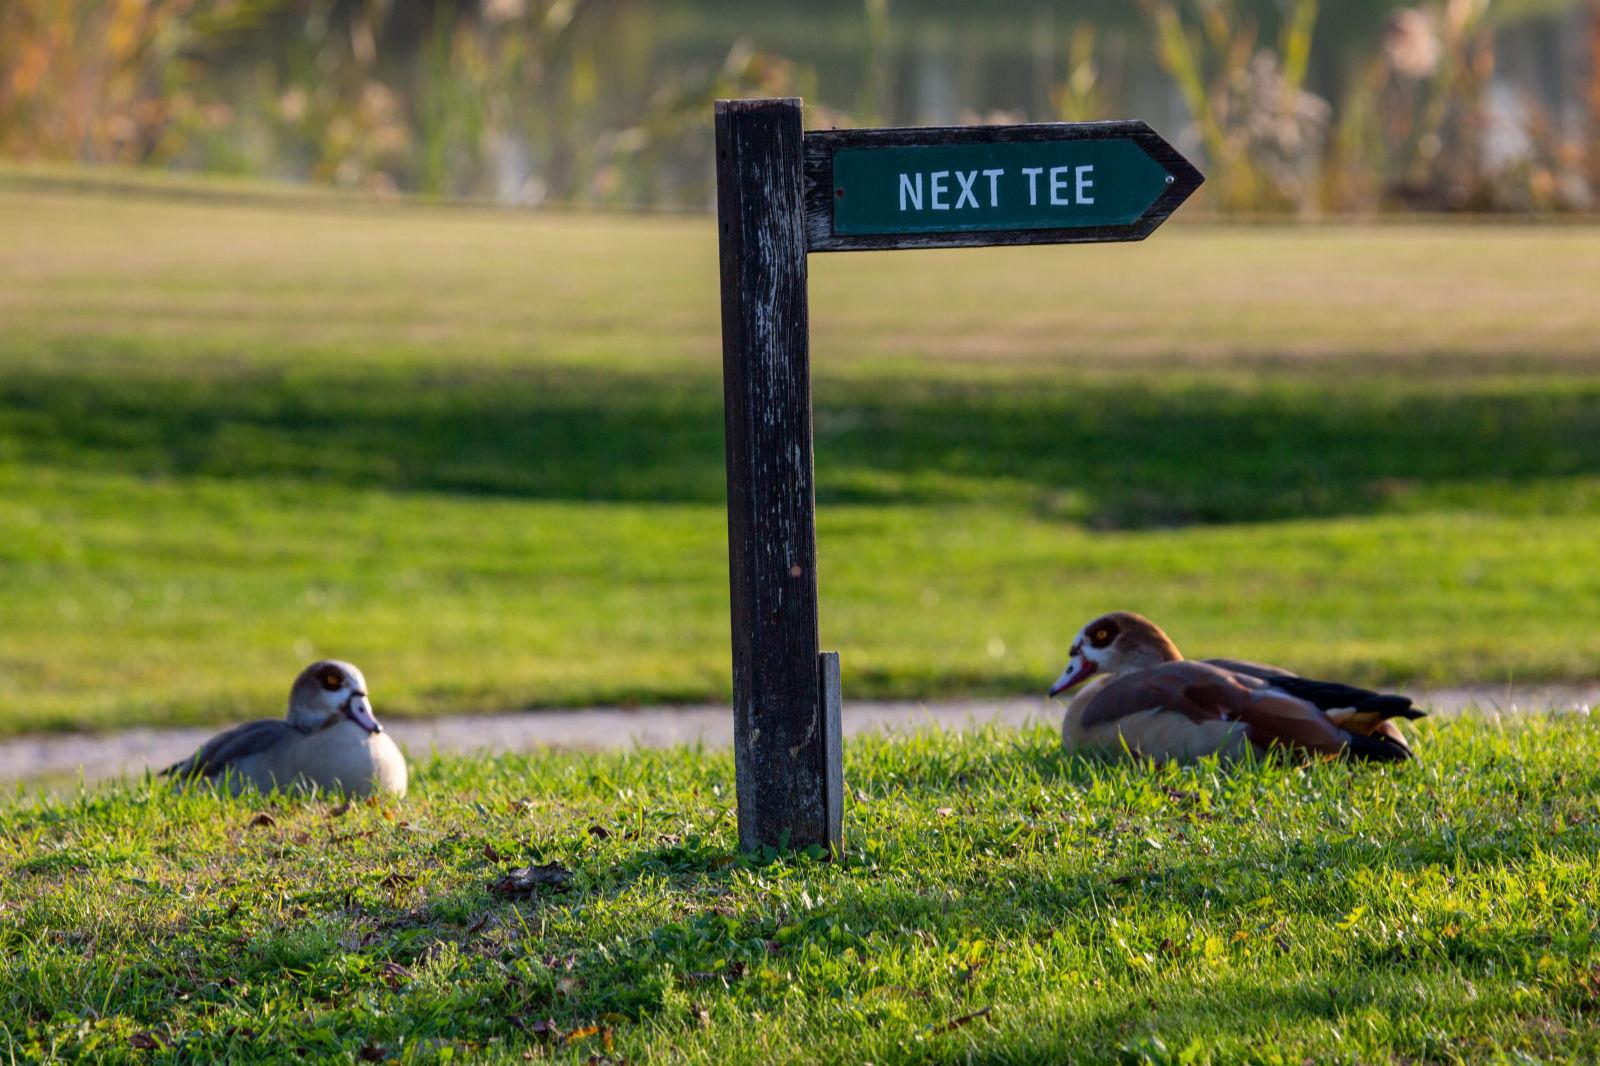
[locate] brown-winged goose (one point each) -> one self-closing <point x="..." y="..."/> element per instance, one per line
<point x="1139" y="695"/>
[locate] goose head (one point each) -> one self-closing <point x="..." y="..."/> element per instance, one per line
<point x="328" y="688"/>
<point x="1113" y="644"/>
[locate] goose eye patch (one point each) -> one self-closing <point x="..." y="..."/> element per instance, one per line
<point x="332" y="682"/>
<point x="1102" y="635"/>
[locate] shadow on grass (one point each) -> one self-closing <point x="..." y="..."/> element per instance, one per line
<point x="718" y="945"/>
<point x="651" y="924"/>
<point x="1159" y="450"/>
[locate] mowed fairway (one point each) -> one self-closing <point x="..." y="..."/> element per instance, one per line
<point x="999" y="903"/>
<point x="480" y="453"/>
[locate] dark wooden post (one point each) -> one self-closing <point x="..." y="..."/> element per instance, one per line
<point x="786" y="754"/>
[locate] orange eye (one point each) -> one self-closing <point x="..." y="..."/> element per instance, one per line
<point x="1100" y="637"/>
<point x="332" y="681"/>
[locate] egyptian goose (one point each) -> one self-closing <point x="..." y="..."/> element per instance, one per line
<point x="330" y="739"/>
<point x="1144" y="698"/>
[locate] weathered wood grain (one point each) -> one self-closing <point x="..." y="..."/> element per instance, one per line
<point x="833" y="742"/>
<point x="780" y="734"/>
<point x="819" y="188"/>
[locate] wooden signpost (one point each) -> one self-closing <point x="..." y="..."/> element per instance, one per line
<point x="780" y="195"/>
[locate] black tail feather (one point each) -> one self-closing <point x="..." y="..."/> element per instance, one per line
<point x="1331" y="695"/>
<point x="1376" y="748"/>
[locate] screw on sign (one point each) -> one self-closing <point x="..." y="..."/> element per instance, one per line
<point x="782" y="194"/>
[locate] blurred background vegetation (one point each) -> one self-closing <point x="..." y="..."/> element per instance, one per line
<point x="1294" y="106"/>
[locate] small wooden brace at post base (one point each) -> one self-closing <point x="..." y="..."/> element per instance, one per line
<point x="782" y="193"/>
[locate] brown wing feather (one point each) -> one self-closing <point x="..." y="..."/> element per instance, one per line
<point x="1276" y="720"/>
<point x="1250" y="669"/>
<point x="1199" y="691"/>
<point x="1208" y="692"/>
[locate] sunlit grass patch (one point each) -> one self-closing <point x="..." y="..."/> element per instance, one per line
<point x="999" y="900"/>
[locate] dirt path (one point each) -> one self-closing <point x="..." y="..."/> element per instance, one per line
<point x="62" y="756"/>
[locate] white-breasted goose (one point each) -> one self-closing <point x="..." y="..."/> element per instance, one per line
<point x="1141" y="696"/>
<point x="330" y="739"/>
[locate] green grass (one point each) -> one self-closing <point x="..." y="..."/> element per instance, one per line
<point x="480" y="453"/>
<point x="1069" y="910"/>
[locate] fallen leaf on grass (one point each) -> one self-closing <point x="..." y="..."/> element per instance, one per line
<point x="955" y="1023"/>
<point x="394" y="879"/>
<point x="483" y="920"/>
<point x="146" y="1041"/>
<point x="526" y="880"/>
<point x="599" y="832"/>
<point x="582" y="1033"/>
<point x="944" y="812"/>
<point x="370" y="1053"/>
<point x="263" y="820"/>
<point x="539" y="1028"/>
<point x="340" y="811"/>
<point x="490" y="853"/>
<point x="394" y="974"/>
<point x="734" y="972"/>
<point x="344" y="838"/>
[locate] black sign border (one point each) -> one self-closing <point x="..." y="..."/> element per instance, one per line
<point x="820" y="145"/>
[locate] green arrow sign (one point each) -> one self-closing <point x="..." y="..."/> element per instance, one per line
<point x="1057" y="182"/>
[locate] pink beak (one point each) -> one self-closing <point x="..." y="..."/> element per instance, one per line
<point x="1071" y="677"/>
<point x="359" y="710"/>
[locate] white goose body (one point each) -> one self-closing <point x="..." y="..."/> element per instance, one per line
<point x="330" y="741"/>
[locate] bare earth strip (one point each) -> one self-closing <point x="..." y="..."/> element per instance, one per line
<point x="98" y="756"/>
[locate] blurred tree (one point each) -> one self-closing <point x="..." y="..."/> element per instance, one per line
<point x="1412" y="123"/>
<point x="1081" y="96"/>
<point x="102" y="80"/>
<point x="877" y="64"/>
<point x="1594" y="94"/>
<point x="602" y="100"/>
<point x="1262" y="131"/>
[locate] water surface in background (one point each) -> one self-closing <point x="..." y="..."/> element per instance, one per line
<point x="960" y="61"/>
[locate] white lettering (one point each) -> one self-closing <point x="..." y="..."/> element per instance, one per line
<point x="1085" y="182"/>
<point x="1033" y="184"/>
<point x="936" y="190"/>
<point x="911" y="192"/>
<point x="1058" y="187"/>
<point x="967" y="180"/>
<point x="994" y="186"/>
